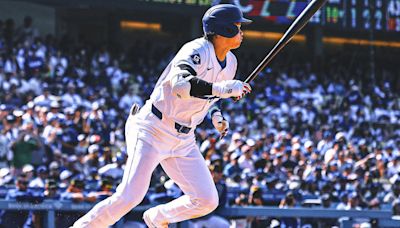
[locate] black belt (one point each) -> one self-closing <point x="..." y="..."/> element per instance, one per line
<point x="178" y="127"/>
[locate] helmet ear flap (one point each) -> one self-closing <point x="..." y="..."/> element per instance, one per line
<point x="232" y="30"/>
<point x="227" y="30"/>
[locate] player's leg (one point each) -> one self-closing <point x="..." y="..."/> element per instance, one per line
<point x="210" y="222"/>
<point x="142" y="160"/>
<point x="217" y="221"/>
<point x="191" y="174"/>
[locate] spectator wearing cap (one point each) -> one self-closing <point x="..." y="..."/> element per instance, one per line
<point x="28" y="171"/>
<point x="75" y="164"/>
<point x="55" y="111"/>
<point x="78" y="119"/>
<point x="256" y="199"/>
<point x="37" y="218"/>
<point x="288" y="202"/>
<point x="23" y="148"/>
<point x="256" y="196"/>
<point x="236" y="142"/>
<point x="277" y="163"/>
<point x="331" y="154"/>
<point x="326" y="202"/>
<point x="65" y="178"/>
<point x="52" y="133"/>
<point x="277" y="148"/>
<point x="96" y="122"/>
<point x="106" y="156"/>
<point x="241" y="200"/>
<point x="74" y="193"/>
<point x="393" y="166"/>
<point x="71" y="98"/>
<point x="104" y="190"/>
<point x="92" y="181"/>
<point x="51" y="190"/>
<point x="54" y="171"/>
<point x="309" y="147"/>
<point x="18" y="116"/>
<point x="46" y="98"/>
<point x="5" y="176"/>
<point x="233" y="165"/>
<point x="68" y="139"/>
<point x="82" y="147"/>
<point x="40" y="180"/>
<point x="21" y="194"/>
<point x="92" y="158"/>
<point x="245" y="160"/>
<point x="291" y="158"/>
<point x="10" y="127"/>
<point x="353" y="202"/>
<point x="29" y="114"/>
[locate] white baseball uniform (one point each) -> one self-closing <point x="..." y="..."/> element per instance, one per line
<point x="163" y="132"/>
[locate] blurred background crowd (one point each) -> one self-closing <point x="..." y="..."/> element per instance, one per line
<point x="306" y="136"/>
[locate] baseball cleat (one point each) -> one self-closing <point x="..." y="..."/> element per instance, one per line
<point x="148" y="218"/>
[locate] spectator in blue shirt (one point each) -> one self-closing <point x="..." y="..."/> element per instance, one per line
<point x="74" y="193"/>
<point x="21" y="193"/>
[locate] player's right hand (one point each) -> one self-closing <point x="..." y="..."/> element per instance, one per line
<point x="220" y="124"/>
<point x="230" y="88"/>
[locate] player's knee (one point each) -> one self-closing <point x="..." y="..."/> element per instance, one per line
<point x="127" y="201"/>
<point x="209" y="202"/>
<point x="213" y="202"/>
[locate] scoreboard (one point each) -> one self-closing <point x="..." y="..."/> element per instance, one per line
<point x="380" y="15"/>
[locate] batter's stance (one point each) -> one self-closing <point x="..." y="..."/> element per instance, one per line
<point x="163" y="130"/>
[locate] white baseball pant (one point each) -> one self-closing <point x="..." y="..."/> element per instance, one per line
<point x="151" y="141"/>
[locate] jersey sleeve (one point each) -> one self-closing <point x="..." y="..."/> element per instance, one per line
<point x="191" y="57"/>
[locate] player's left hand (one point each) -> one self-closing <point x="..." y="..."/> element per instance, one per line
<point x="246" y="90"/>
<point x="220" y="124"/>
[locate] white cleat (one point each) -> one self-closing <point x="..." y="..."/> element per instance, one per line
<point x="149" y="217"/>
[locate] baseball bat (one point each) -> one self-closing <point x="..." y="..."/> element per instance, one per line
<point x="294" y="28"/>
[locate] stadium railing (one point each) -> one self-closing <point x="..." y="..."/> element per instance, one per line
<point x="382" y="216"/>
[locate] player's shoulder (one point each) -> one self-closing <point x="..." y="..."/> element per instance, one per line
<point x="232" y="60"/>
<point x="199" y="46"/>
<point x="195" y="51"/>
<point x="232" y="57"/>
<point x="199" y="43"/>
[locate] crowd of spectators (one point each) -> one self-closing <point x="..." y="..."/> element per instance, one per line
<point x="303" y="137"/>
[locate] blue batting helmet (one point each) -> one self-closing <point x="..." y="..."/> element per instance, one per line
<point x="220" y="20"/>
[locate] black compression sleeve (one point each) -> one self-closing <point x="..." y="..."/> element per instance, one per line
<point x="200" y="88"/>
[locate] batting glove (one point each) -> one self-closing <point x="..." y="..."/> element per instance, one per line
<point x="246" y="90"/>
<point x="230" y="88"/>
<point x="220" y="124"/>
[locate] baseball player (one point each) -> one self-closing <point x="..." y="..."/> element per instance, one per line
<point x="162" y="132"/>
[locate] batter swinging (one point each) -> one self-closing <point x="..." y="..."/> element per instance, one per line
<point x="162" y="132"/>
